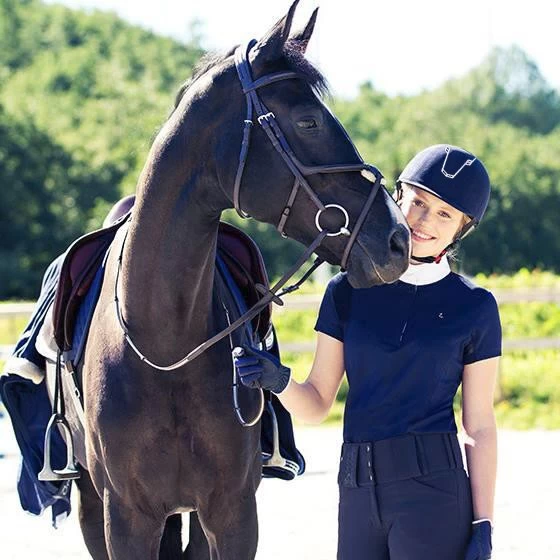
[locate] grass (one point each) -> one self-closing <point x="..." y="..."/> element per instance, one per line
<point x="530" y="319"/>
<point x="11" y="327"/>
<point x="530" y="384"/>
<point x="524" y="278"/>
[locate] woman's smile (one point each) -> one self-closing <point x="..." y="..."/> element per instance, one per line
<point x="420" y="236"/>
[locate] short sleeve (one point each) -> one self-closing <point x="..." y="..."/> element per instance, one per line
<point x="330" y="319"/>
<point x="486" y="336"/>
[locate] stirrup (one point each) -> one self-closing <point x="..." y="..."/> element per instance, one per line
<point x="275" y="459"/>
<point x="70" y="471"/>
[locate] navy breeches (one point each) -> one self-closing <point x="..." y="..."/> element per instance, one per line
<point x="404" y="498"/>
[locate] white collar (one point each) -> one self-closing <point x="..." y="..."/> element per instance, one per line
<point x="426" y="273"/>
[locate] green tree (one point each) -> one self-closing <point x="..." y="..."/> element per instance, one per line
<point x="45" y="197"/>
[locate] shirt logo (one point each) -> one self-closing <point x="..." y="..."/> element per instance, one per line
<point x="440" y="315"/>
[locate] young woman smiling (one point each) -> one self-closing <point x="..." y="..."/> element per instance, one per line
<point x="406" y="347"/>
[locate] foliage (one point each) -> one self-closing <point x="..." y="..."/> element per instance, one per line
<point x="44" y="201"/>
<point x="530" y="383"/>
<point x="83" y="94"/>
<point x="506" y="114"/>
<point x="524" y="278"/>
<point x="530" y="319"/>
<point x="11" y="328"/>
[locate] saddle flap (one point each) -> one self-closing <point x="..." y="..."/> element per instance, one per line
<point x="81" y="261"/>
<point x="84" y="257"/>
<point x="246" y="265"/>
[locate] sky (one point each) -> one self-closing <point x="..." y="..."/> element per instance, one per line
<point x="401" y="46"/>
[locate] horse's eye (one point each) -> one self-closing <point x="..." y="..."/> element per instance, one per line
<point x="307" y="123"/>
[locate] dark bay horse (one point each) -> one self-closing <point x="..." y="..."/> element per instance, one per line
<point x="159" y="443"/>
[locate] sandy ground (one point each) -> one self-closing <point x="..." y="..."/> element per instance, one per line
<point x="298" y="519"/>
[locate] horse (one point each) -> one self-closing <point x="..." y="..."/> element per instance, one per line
<point x="249" y="131"/>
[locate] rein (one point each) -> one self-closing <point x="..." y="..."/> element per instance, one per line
<point x="268" y="297"/>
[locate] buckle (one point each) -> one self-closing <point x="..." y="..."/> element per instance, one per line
<point x="265" y="118"/>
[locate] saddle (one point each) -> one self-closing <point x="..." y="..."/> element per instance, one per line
<point x="83" y="259"/>
<point x="238" y="261"/>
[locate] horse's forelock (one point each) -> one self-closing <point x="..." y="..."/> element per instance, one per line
<point x="294" y="55"/>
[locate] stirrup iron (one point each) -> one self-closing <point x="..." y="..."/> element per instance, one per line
<point x="70" y="471"/>
<point x="275" y="459"/>
<point x="58" y="419"/>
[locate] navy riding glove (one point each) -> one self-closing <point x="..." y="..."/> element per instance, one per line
<point x="480" y="545"/>
<point x="260" y="369"/>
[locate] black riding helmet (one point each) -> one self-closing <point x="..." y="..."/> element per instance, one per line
<point x="454" y="175"/>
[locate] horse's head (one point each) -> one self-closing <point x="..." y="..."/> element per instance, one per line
<point x="283" y="158"/>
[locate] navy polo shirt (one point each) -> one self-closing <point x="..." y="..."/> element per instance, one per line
<point x="405" y="347"/>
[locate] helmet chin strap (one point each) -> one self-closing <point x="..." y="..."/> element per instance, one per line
<point x="430" y="259"/>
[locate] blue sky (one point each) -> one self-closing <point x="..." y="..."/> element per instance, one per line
<point x="402" y="46"/>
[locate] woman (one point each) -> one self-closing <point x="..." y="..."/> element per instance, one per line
<point x="406" y="347"/>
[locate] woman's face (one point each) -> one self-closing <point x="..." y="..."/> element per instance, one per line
<point x="432" y="221"/>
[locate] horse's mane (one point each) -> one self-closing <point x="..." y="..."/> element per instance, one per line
<point x="293" y="55"/>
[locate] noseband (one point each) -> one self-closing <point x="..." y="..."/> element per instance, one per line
<point x="267" y="120"/>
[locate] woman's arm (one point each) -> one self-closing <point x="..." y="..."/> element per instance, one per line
<point x="311" y="400"/>
<point x="479" y="380"/>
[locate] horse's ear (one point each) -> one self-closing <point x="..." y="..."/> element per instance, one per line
<point x="271" y="46"/>
<point x="302" y="37"/>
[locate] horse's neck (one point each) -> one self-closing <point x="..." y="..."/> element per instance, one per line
<point x="169" y="260"/>
<point x="168" y="269"/>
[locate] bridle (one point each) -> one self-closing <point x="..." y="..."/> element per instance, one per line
<point x="268" y="123"/>
<point x="267" y="120"/>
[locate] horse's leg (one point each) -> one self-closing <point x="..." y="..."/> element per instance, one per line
<point x="230" y="524"/>
<point x="90" y="508"/>
<point x="197" y="548"/>
<point x="171" y="546"/>
<point x="130" y="533"/>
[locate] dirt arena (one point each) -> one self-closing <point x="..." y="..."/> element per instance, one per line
<point x="298" y="519"/>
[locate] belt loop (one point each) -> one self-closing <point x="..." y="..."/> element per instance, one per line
<point x="420" y="454"/>
<point x="349" y="466"/>
<point x="449" y="450"/>
<point x="371" y="472"/>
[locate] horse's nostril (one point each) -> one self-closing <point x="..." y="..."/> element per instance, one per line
<point x="398" y="243"/>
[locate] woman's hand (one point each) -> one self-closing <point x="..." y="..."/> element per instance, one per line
<point x="260" y="369"/>
<point x="480" y="545"/>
